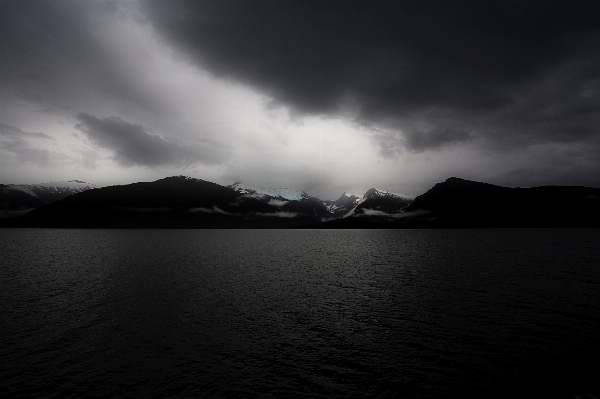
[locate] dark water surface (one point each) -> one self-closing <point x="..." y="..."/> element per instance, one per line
<point x="247" y="313"/>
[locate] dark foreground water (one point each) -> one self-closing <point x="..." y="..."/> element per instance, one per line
<point x="196" y="313"/>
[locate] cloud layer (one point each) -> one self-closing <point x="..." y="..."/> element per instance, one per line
<point x="438" y="73"/>
<point x="321" y="96"/>
<point x="15" y="143"/>
<point x="133" y="145"/>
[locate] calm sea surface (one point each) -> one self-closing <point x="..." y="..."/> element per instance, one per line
<point x="300" y="313"/>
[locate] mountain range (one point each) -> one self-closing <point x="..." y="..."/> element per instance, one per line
<point x="185" y="202"/>
<point x="18" y="199"/>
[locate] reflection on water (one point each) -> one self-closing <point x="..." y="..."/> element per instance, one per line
<point x="416" y="313"/>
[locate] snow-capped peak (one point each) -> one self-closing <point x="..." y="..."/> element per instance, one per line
<point x="53" y="191"/>
<point x="374" y="192"/>
<point x="275" y="192"/>
<point x="72" y="184"/>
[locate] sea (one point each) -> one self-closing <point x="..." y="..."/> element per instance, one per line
<point x="479" y="313"/>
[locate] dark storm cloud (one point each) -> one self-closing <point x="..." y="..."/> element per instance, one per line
<point x="53" y="57"/>
<point x="435" y="138"/>
<point x="133" y="145"/>
<point x="518" y="71"/>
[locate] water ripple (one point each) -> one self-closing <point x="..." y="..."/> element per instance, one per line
<point x="187" y="313"/>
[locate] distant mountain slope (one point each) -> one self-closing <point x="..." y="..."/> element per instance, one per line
<point x="375" y="204"/>
<point x="463" y="203"/>
<point x="173" y="202"/>
<point x="54" y="191"/>
<point x="286" y="199"/>
<point x="18" y="199"/>
<point x="16" y="202"/>
<point x="459" y="203"/>
<point x="184" y="202"/>
<point x="344" y="205"/>
<point x="378" y="202"/>
<point x="275" y="192"/>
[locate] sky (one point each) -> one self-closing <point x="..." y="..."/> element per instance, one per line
<point x="320" y="96"/>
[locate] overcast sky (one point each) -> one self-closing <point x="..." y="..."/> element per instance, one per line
<point x="323" y="96"/>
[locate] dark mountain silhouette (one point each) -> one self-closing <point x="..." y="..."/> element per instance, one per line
<point x="173" y="202"/>
<point x="309" y="207"/>
<point x="54" y="191"/>
<point x="183" y="202"/>
<point x="459" y="203"/>
<point x="462" y="203"/>
<point x="16" y="202"/>
<point x="18" y="199"/>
